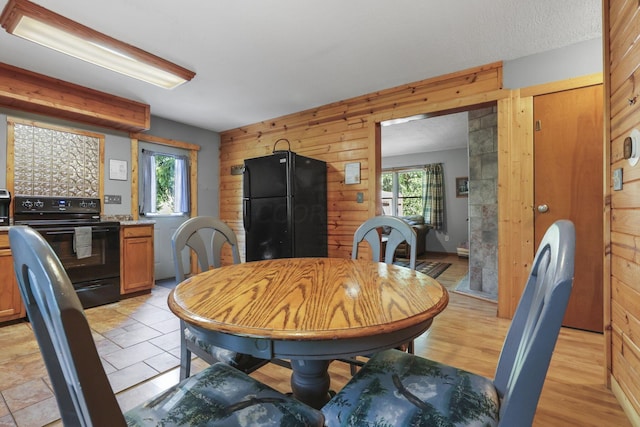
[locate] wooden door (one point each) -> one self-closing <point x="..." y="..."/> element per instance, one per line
<point x="568" y="164"/>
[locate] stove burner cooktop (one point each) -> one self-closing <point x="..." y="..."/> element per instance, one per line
<point x="45" y="211"/>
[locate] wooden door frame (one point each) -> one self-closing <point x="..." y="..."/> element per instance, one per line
<point x="515" y="189"/>
<point x="515" y="178"/>
<point x="193" y="149"/>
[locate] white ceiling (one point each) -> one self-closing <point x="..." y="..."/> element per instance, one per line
<point x="446" y="132"/>
<point x="260" y="59"/>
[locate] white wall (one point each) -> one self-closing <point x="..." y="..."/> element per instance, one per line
<point x="576" y="60"/>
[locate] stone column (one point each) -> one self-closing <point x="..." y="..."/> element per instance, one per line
<point x="483" y="201"/>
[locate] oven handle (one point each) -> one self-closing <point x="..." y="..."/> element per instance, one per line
<point x="93" y="230"/>
<point x="92" y="286"/>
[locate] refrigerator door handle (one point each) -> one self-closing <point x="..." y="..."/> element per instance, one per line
<point x="246" y="214"/>
<point x="245" y="181"/>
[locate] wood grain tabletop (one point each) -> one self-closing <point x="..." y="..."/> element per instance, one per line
<point x="308" y="299"/>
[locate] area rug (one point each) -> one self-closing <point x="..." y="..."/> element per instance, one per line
<point x="430" y="268"/>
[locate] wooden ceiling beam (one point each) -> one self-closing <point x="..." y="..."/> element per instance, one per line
<point x="36" y="93"/>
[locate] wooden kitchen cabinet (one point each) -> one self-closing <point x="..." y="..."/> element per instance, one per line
<point x="136" y="258"/>
<point x="11" y="306"/>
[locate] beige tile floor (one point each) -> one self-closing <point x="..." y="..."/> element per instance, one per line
<point x="138" y="341"/>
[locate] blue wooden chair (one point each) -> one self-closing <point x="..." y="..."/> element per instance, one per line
<point x="218" y="396"/>
<point x="191" y="234"/>
<point x="396" y="388"/>
<point x="396" y="230"/>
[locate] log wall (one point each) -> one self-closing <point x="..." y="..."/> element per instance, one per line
<point x="346" y="132"/>
<point x="622" y="106"/>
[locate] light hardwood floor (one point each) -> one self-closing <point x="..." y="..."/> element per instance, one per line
<point x="138" y="341"/>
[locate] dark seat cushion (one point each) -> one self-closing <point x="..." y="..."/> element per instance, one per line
<point x="399" y="389"/>
<point x="243" y="362"/>
<point x="216" y="397"/>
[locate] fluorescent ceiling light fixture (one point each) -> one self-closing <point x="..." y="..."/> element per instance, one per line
<point x="404" y="120"/>
<point x="37" y="24"/>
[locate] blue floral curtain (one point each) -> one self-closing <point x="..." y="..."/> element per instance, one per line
<point x="434" y="196"/>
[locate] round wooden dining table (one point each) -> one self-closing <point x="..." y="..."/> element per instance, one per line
<point x="310" y="311"/>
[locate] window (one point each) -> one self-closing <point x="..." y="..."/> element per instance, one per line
<point x="165" y="183"/>
<point x="403" y="192"/>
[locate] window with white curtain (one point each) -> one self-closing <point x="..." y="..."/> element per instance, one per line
<point x="165" y="183"/>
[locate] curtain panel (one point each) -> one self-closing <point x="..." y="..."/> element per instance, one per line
<point x="182" y="188"/>
<point x="434" y="196"/>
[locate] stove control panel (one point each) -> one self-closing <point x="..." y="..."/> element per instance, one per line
<point x="36" y="204"/>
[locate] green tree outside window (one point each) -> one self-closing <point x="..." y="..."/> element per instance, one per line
<point x="403" y="192"/>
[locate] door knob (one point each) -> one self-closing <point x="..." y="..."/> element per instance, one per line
<point x="543" y="208"/>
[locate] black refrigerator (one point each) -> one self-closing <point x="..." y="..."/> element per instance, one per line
<point x="284" y="206"/>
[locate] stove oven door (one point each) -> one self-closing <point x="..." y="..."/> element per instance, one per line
<point x="95" y="276"/>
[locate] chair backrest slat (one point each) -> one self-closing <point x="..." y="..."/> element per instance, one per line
<point x="400" y="232"/>
<point x="190" y="234"/>
<point x="534" y="330"/>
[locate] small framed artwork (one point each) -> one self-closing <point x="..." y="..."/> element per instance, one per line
<point x="352" y="173"/>
<point x="462" y="186"/>
<point x="118" y="170"/>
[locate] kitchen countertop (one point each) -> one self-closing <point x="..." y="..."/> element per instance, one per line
<point x="126" y="222"/>
<point x="138" y="222"/>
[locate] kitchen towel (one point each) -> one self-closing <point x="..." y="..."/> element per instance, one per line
<point x="82" y="242"/>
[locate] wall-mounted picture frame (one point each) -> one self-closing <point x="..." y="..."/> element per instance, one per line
<point x="118" y="170"/>
<point x="352" y="173"/>
<point x="462" y="186"/>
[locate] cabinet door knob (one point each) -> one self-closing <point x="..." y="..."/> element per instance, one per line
<point x="543" y="208"/>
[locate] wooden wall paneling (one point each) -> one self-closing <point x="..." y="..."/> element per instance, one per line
<point x="344" y="132"/>
<point x="626" y="361"/>
<point x="622" y="65"/>
<point x="458" y="86"/>
<point x="515" y="199"/>
<point x="36" y="93"/>
<point x="505" y="214"/>
<point x="135" y="193"/>
<point x="624" y="30"/>
<point x="608" y="184"/>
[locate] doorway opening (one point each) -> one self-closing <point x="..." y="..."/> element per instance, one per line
<point x="466" y="143"/>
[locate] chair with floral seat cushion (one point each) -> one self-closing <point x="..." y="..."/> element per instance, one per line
<point x="396" y="232"/>
<point x="217" y="396"/>
<point x="192" y="234"/>
<point x="396" y="388"/>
